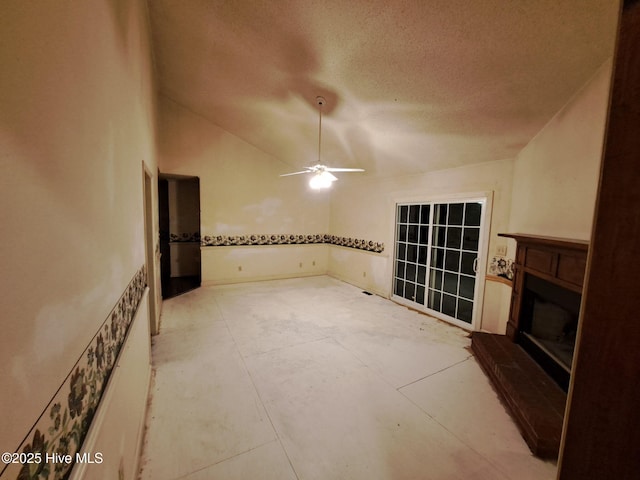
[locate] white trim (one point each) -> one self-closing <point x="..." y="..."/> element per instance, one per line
<point x="443" y="197"/>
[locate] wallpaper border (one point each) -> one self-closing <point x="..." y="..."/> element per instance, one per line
<point x="290" y="239"/>
<point x="62" y="427"/>
<point x="501" y="267"/>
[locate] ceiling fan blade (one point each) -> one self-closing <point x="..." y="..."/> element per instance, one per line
<point x="296" y="173"/>
<point x="328" y="169"/>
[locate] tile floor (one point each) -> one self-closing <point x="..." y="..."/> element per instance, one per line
<point x="312" y="379"/>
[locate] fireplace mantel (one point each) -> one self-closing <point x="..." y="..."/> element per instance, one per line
<point x="556" y="260"/>
<point x="548" y="241"/>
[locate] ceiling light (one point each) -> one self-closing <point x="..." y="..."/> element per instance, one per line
<point x="322" y="179"/>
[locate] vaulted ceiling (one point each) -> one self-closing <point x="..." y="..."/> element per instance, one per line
<point x="410" y="86"/>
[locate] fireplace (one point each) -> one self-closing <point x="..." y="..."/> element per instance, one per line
<point x="530" y="366"/>
<point x="545" y="303"/>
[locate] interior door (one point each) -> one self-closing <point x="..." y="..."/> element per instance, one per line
<point x="437" y="253"/>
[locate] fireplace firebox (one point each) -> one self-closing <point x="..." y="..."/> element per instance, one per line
<point x="548" y="325"/>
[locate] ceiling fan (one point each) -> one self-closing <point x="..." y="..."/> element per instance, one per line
<point x="322" y="176"/>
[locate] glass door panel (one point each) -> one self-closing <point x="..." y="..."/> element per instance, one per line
<point x="412" y="243"/>
<point x="437" y="248"/>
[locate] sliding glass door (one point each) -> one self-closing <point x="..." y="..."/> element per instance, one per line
<point x="437" y="251"/>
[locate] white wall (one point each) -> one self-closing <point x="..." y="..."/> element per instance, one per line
<point x="495" y="311"/>
<point x="555" y="177"/>
<point x="221" y="265"/>
<point x="241" y="193"/>
<point x="76" y="123"/>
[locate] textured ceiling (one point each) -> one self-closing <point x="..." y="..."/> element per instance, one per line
<point x="411" y="86"/>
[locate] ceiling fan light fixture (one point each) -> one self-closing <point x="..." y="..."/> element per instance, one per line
<point x="322" y="180"/>
<point x="322" y="176"/>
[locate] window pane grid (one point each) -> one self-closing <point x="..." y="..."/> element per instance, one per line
<point x="436" y="249"/>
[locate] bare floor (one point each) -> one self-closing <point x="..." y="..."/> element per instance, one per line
<point x="312" y="379"/>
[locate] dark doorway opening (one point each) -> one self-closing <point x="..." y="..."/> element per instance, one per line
<point x="179" y="222"/>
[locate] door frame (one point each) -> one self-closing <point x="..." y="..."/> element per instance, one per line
<point x="483" y="252"/>
<point x="150" y="235"/>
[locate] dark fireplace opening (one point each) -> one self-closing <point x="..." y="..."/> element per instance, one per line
<point x="548" y="325"/>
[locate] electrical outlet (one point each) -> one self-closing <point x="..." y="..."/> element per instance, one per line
<point x="501" y="250"/>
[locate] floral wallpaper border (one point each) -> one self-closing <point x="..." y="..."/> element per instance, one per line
<point x="291" y="239"/>
<point x="63" y="426"/>
<point x="184" y="237"/>
<point x="501" y="267"/>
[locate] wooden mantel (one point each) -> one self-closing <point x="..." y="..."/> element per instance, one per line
<point x="547" y="241"/>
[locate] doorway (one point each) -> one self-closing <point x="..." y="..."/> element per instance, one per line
<point x="179" y="222"/>
<point x="440" y="253"/>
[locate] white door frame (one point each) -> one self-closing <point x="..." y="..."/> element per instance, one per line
<point x="149" y="242"/>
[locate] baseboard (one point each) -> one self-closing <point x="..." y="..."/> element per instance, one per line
<point x="353" y="282"/>
<point x="260" y="278"/>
